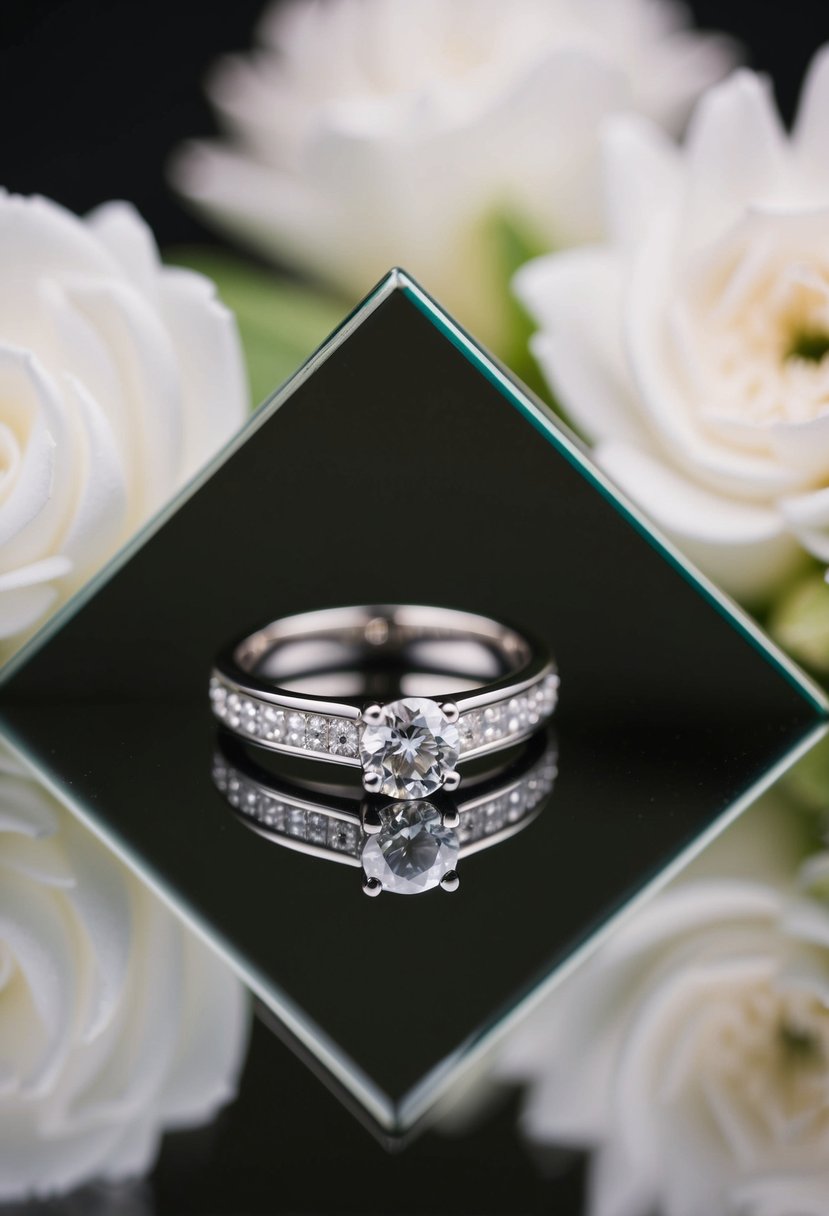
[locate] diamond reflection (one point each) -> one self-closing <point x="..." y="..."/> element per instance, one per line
<point x="404" y="848"/>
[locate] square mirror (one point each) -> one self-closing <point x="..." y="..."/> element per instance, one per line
<point x="403" y="465"/>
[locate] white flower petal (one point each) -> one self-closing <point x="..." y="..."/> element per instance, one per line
<point x="101" y="900"/>
<point x="285" y="218"/>
<point x="123" y="232"/>
<point x="213" y="1040"/>
<point x="87" y="359"/>
<point x="642" y="171"/>
<point x="34" y="505"/>
<point x="214" y="385"/>
<point x="147" y="363"/>
<point x="665" y="397"/>
<point x="41" y="860"/>
<point x="25" y="807"/>
<point x="575" y="299"/>
<point x="802" y="445"/>
<point x="736" y="154"/>
<point x="807" y="515"/>
<point x="22" y="608"/>
<point x="745" y="548"/>
<point x="31" y="926"/>
<point x="99" y="520"/>
<point x="810" y="140"/>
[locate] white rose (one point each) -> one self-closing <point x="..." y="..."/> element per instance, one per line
<point x="691" y="347"/>
<point x="118" y="379"/>
<point x="116" y="1023"/>
<point x="692" y="1051"/>
<point x="369" y="133"/>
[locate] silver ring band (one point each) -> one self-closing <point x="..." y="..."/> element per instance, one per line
<point x="462" y="686"/>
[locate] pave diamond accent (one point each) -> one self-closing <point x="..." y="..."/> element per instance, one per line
<point x="274" y="724"/>
<point x="412" y="851"/>
<point x="295" y="734"/>
<point x="477" y="729"/>
<point x="342" y="737"/>
<point x="411" y="749"/>
<point x="316" y="733"/>
<point x="518" y="716"/>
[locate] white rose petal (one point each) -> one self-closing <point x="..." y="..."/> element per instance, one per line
<point x="703" y="374"/>
<point x="118" y="379"/>
<point x="370" y="133"/>
<point x="116" y="1023"/>
<point x="691" y="1051"/>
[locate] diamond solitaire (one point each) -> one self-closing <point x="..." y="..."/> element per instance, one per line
<point x="275" y="688"/>
<point x="413" y="851"/>
<point x="410" y="747"/>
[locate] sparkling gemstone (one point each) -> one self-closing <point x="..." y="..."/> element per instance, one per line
<point x="412" y="851"/>
<point x="342" y="737"/>
<point x="248" y="718"/>
<point x="316" y="737"/>
<point x="297" y="822"/>
<point x="317" y="827"/>
<point x="274" y="724"/>
<point x="411" y="749"/>
<point x="471" y="729"/>
<point x="517" y="717"/>
<point x="495" y="723"/>
<point x="343" y="836"/>
<point x="295" y="733"/>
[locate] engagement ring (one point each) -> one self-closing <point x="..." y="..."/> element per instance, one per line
<point x="404" y="692"/>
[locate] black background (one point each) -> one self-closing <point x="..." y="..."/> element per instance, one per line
<point x="95" y="95"/>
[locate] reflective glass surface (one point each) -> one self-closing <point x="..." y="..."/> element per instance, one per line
<point x="402" y="465"/>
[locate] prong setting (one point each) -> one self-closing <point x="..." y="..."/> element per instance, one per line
<point x="370" y="819"/>
<point x="451" y="781"/>
<point x="373" y="714"/>
<point x="372" y="886"/>
<point x="450" y="711"/>
<point x="372" y="783"/>
<point x="450" y="881"/>
<point x="450" y="818"/>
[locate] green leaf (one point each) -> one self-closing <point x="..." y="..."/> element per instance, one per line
<point x="800" y="622"/>
<point x="513" y="243"/>
<point x="280" y="322"/>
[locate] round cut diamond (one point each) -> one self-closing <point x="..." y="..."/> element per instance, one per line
<point x="412" y="851"/>
<point x="411" y="749"/>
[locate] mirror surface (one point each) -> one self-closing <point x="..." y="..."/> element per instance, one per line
<point x="401" y="466"/>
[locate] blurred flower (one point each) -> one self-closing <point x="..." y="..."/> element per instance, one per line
<point x="116" y="1023"/>
<point x="118" y="379"/>
<point x="369" y="133"/>
<point x="692" y="1050"/>
<point x="693" y="346"/>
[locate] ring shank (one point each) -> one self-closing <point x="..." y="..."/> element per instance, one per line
<point x="428" y="636"/>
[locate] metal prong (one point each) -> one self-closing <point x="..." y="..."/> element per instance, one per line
<point x="373" y="886"/>
<point x="450" y="711"/>
<point x="451" y="781"/>
<point x="450" y="881"/>
<point x="450" y="818"/>
<point x="372" y="783"/>
<point x="373" y="715"/>
<point x="370" y="819"/>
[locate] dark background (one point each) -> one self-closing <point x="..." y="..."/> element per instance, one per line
<point x="95" y="94"/>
